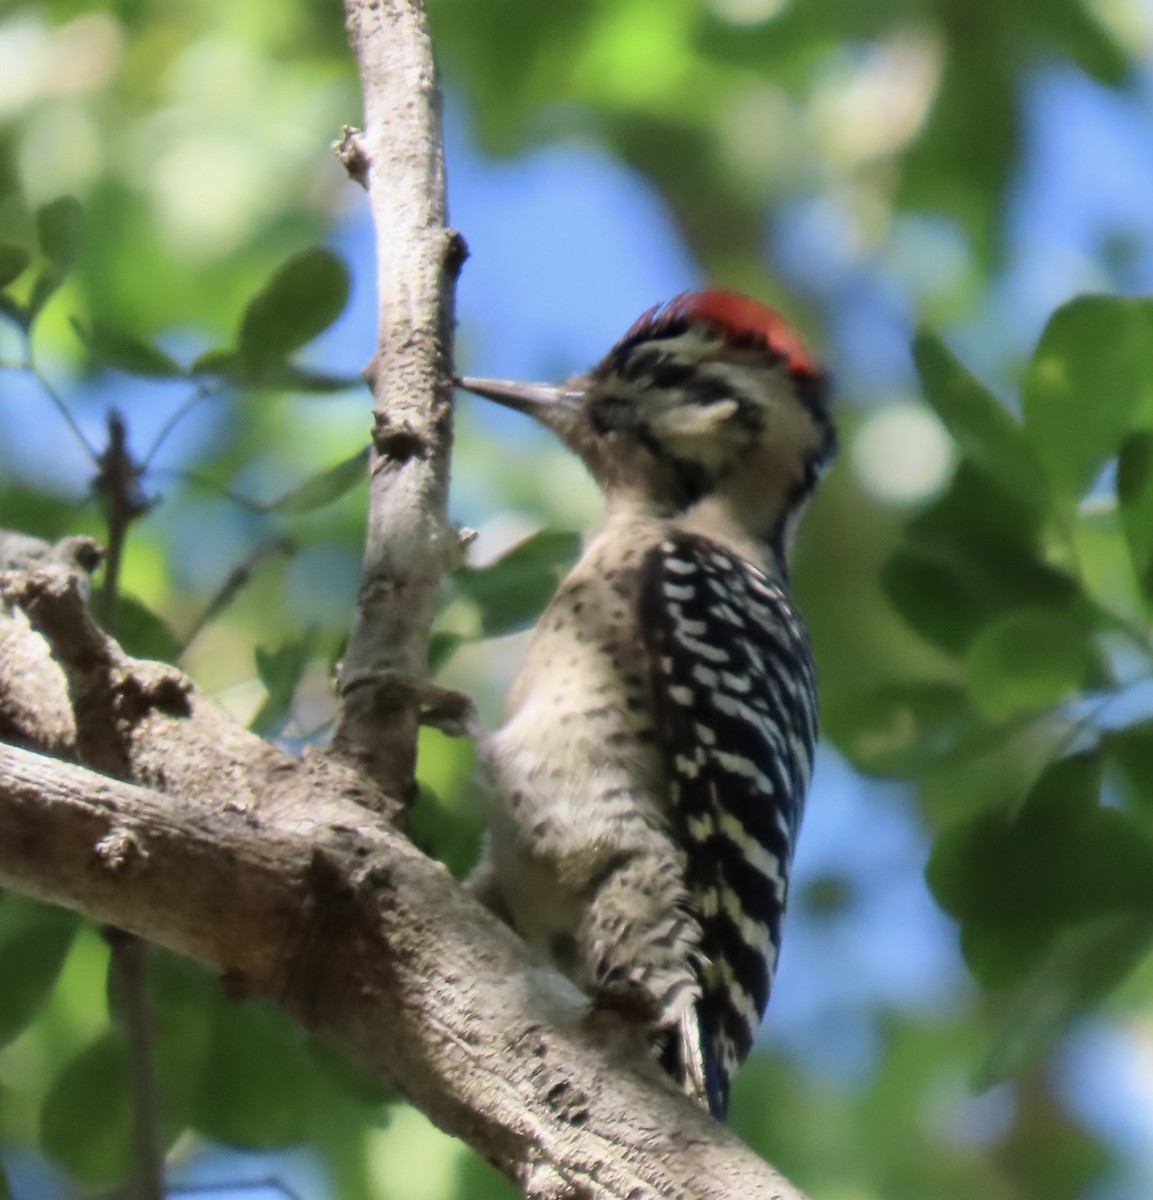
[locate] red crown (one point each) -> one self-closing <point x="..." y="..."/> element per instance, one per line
<point x="735" y="316"/>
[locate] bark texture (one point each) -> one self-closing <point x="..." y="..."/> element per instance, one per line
<point x="410" y="544"/>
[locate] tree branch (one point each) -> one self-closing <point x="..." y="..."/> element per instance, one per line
<point x="410" y="543"/>
<point x="364" y="940"/>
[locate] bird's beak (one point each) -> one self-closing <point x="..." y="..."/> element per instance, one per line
<point x="553" y="405"/>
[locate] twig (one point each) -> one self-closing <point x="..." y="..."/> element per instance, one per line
<point x="29" y="366"/>
<point x="202" y="392"/>
<point x="238" y="578"/>
<point x="134" y="1010"/>
<point x="195" y="479"/>
<point x="117" y="483"/>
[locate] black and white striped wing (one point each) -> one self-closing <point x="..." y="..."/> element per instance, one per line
<point x="736" y="702"/>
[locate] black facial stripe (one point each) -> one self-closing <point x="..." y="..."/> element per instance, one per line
<point x="647" y="360"/>
<point x="618" y="357"/>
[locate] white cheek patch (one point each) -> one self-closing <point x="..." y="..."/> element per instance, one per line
<point x="693" y="420"/>
<point x="697" y="433"/>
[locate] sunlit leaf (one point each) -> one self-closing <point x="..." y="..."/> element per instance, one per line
<point x="301" y="300"/>
<point x="45" y="286"/>
<point x="511" y="592"/>
<point x="1089" y="376"/>
<point x="1029" y="661"/>
<point x="86" y="1119"/>
<point x="984" y="430"/>
<point x="1104" y="564"/>
<point x="13" y="260"/>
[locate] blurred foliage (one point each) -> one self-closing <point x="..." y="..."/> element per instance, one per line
<point x="164" y="184"/>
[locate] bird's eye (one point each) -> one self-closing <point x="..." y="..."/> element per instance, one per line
<point x="611" y="413"/>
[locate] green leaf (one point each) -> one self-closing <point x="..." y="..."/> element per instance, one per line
<point x="992" y="540"/>
<point x="13" y="260"/>
<point x="511" y="592"/>
<point x="323" y="488"/>
<point x="284" y="376"/>
<point x="143" y="633"/>
<point x="1029" y="661"/>
<point x="303" y="298"/>
<point x="14" y="311"/>
<point x="1084" y="964"/>
<point x="45" y="286"/>
<point x="1090" y="375"/>
<point x="257" y="1080"/>
<point x="34" y="942"/>
<point x="58" y="230"/>
<point x="128" y="353"/>
<point x="933" y="598"/>
<point x="441" y="647"/>
<point x="347" y="1077"/>
<point x="186" y="999"/>
<point x="901" y="729"/>
<point x="292" y="378"/>
<point x="86" y="1119"/>
<point x="1015" y="880"/>
<point x="226" y="364"/>
<point x="984" y="430"/>
<point x="281" y="672"/>
<point x="1135" y="499"/>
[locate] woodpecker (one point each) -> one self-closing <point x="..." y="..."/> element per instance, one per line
<point x="651" y="773"/>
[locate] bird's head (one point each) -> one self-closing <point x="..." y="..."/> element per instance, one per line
<point x="708" y="399"/>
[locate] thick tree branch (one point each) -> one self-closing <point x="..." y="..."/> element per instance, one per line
<point x="410" y="544"/>
<point x="366" y="941"/>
